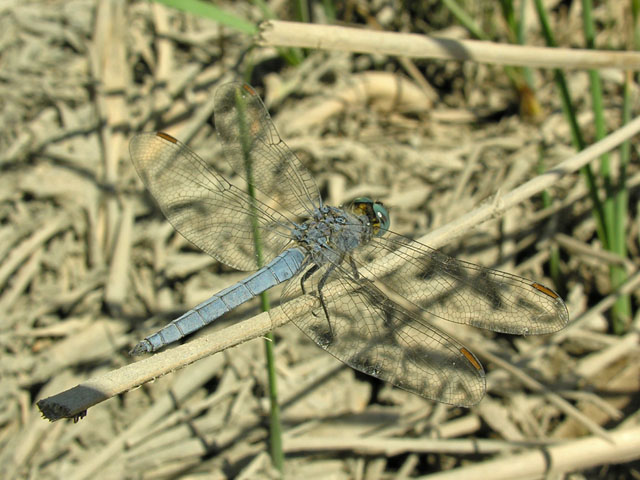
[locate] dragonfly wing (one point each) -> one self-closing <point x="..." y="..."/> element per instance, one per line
<point x="363" y="328"/>
<point x="462" y="292"/>
<point x="207" y="210"/>
<point x="256" y="152"/>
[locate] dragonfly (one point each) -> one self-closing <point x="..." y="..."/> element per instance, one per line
<point x="371" y="295"/>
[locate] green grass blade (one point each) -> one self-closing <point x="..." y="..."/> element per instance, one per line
<point x="207" y="10"/>
<point x="465" y="20"/>
<point x="292" y="56"/>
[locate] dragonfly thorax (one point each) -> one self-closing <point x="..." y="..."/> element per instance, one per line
<point x="331" y="230"/>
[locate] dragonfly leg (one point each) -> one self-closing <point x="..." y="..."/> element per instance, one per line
<point x="306" y="276"/>
<point x="321" y="283"/>
<point x="354" y="268"/>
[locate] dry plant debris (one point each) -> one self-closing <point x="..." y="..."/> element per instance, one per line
<point x="88" y="265"/>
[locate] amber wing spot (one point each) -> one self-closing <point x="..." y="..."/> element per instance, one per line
<point x="471" y="357"/>
<point x="250" y="90"/>
<point x="166" y="137"/>
<point x="545" y="290"/>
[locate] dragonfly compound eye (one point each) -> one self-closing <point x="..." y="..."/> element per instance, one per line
<point x="376" y="212"/>
<point x="384" y="221"/>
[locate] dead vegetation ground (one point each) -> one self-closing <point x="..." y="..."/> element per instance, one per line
<point x="88" y="265"/>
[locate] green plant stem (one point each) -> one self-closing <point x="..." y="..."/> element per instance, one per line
<point x="635" y="13"/>
<point x="515" y="77"/>
<point x="302" y="11"/>
<point x="521" y="38"/>
<point x="508" y="13"/>
<point x="275" y="429"/>
<point x="576" y="134"/>
<point x="615" y="214"/>
<point x="554" y="255"/>
<point x="329" y="10"/>
<point x="599" y="122"/>
<point x="292" y="55"/>
<point x="622" y="308"/>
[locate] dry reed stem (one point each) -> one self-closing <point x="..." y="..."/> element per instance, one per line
<point x="275" y="33"/>
<point x="543" y="462"/>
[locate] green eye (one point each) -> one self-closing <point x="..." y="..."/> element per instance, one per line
<point x="382" y="214"/>
<point x="377" y="213"/>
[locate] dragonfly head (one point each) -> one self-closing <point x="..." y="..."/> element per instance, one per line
<point x="377" y="214"/>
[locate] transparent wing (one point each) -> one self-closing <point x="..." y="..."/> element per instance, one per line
<point x="363" y="328"/>
<point x="462" y="292"/>
<point x="257" y="153"/>
<point x="207" y="210"/>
